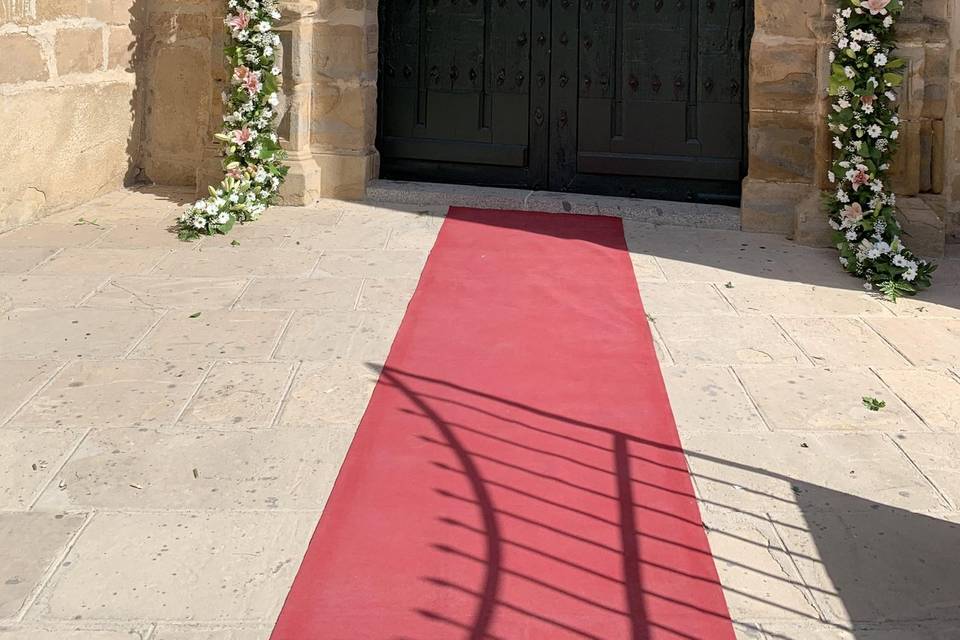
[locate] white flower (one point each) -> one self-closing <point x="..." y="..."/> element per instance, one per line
<point x="850" y="235"/>
<point x="880" y="59"/>
<point x="874" y="131"/>
<point x="833" y="56"/>
<point x="199" y="222"/>
<point x="855" y="47"/>
<point x="223" y="218"/>
<point x="846" y="13"/>
<point x="868" y="286"/>
<point x="849" y="72"/>
<point x="888" y="22"/>
<point x="837" y="143"/>
<point x="831" y="176"/>
<point x="894" y="135"/>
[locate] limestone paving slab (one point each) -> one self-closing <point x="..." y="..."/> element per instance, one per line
<point x="841" y="342"/>
<point x="21" y="260"/>
<point x="324" y="336"/>
<point x="94" y="260"/>
<point x="371" y="264"/>
<point x="143" y="234"/>
<point x="247" y="632"/>
<point x="29" y="459"/>
<point x="822" y="399"/>
<point x="241" y="395"/>
<point x="215" y="333"/>
<point x="936" y="455"/>
<point x="114" y="393"/>
<point x="168" y="292"/>
<point x="760" y="583"/>
<point x="72" y="333"/>
<point x="926" y="342"/>
<point x="801" y="300"/>
<point x="147" y="469"/>
<point x="934" y="394"/>
<point x="646" y="268"/>
<point x="150" y="566"/>
<point x="71" y="632"/>
<point x="845" y="554"/>
<point x="785" y="473"/>
<point x="345" y="235"/>
<point x="940" y="301"/>
<point x="694" y="299"/>
<point x="21" y="379"/>
<point x="38" y="291"/>
<point x="234" y="261"/>
<point x="29" y="545"/>
<point x="921" y="630"/>
<point x="710" y="399"/>
<point x="329" y="393"/>
<point x="722" y="340"/>
<point x="50" y="235"/>
<point x="386" y="294"/>
<point x="334" y="294"/>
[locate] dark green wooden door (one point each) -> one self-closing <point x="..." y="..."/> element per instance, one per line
<point x="632" y="97"/>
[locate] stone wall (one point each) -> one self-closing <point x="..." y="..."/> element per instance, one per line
<point x="176" y="68"/>
<point x="69" y="104"/>
<point x="952" y="129"/>
<point x="788" y="141"/>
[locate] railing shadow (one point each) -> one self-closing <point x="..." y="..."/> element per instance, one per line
<point x="528" y="483"/>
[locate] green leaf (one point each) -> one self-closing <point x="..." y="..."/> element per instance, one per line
<point x="195" y="315"/>
<point x="873" y="404"/>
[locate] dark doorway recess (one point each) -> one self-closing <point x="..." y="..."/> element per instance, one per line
<point x="621" y="97"/>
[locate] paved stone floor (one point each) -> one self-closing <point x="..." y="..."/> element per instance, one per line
<point x="172" y="417"/>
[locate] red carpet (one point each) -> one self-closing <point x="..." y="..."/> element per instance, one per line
<point x="517" y="473"/>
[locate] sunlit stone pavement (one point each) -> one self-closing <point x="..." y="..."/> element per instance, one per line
<point x="173" y="416"/>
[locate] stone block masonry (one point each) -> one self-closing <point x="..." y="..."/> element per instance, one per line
<point x="68" y="102"/>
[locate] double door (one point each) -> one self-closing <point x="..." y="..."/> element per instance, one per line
<point x="627" y="97"/>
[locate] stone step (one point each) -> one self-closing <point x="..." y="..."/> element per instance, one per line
<point x="657" y="212"/>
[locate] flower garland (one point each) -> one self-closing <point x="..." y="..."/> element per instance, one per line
<point x="864" y="122"/>
<point x="253" y="157"/>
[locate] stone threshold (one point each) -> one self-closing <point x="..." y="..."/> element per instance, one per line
<point x="656" y="212"/>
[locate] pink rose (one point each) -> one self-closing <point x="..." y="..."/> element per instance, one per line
<point x="876" y="6"/>
<point x="240" y="73"/>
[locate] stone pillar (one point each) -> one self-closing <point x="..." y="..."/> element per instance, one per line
<point x="304" y="182"/>
<point x="329" y="63"/>
<point x="344" y="100"/>
<point x="785" y="138"/>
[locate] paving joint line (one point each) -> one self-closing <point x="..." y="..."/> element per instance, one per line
<point x="281" y="405"/>
<point x="60" y="367"/>
<point x="163" y="314"/>
<point x="883" y="338"/>
<point x="756" y="405"/>
<point x="282" y="335"/>
<point x="943" y="497"/>
<point x="793" y="341"/>
<point x="896" y="395"/>
<point x="196" y="392"/>
<point x="51" y="570"/>
<point x="66" y="459"/>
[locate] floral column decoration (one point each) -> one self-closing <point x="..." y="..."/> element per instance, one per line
<point x="865" y="127"/>
<point x="253" y="160"/>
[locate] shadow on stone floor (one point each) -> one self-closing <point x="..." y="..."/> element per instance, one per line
<point x="868" y="570"/>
